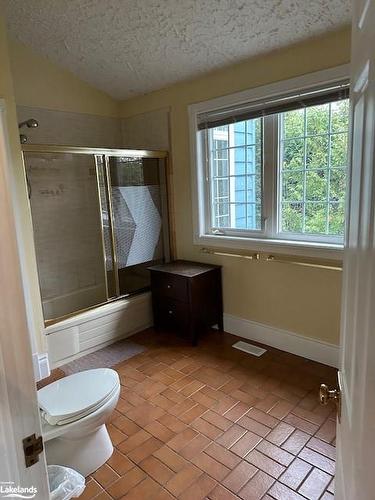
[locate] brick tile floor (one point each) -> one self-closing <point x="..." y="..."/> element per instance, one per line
<point x="213" y="422"/>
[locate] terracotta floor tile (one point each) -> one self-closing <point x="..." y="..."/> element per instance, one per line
<point x="145" y="450"/>
<point x="274" y="452"/>
<point x="281" y="409"/>
<point x="182" y="439"/>
<point x="206" y="428"/>
<point x="91" y="490"/>
<point x="195" y="446"/>
<point x="156" y="469"/>
<point x="237" y="411"/>
<point x="239" y="476"/>
<point x="280" y="433"/>
<point x="105" y="475"/>
<point x="125" y="425"/>
<point x="132" y="442"/>
<point x="223" y="455"/>
<point x="211" y="466"/>
<point x="159" y="431"/>
<point x="265" y="464"/>
<point x="212" y="422"/>
<point x="172" y="423"/>
<point x="144" y="414"/>
<point x="295" y="474"/>
<point x="199" y="489"/>
<point x="281" y="492"/>
<point x="327" y="432"/>
<point x="145" y="489"/>
<point x="254" y="426"/>
<point x="116" y="435"/>
<point x="171" y="459"/>
<point x="315" y="484"/>
<point x="123" y="485"/>
<point x="296" y="442"/>
<point x="217" y="420"/>
<point x="263" y="418"/>
<point x="322" y="447"/>
<point x="191" y="388"/>
<point x="183" y="479"/>
<point x="301" y="424"/>
<point x="221" y="493"/>
<point x="231" y="436"/>
<point x="256" y="487"/>
<point x="245" y="444"/>
<point x="318" y="460"/>
<point x="120" y="463"/>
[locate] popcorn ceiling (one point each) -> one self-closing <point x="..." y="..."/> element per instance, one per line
<point x="130" y="47"/>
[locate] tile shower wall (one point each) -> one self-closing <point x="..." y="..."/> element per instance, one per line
<point x="67" y="235"/>
<point x="147" y="130"/>
<point x="71" y="129"/>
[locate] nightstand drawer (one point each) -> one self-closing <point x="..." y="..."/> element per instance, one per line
<point x="167" y="285"/>
<point x="171" y="313"/>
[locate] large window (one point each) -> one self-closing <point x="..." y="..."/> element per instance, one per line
<point x="276" y="169"/>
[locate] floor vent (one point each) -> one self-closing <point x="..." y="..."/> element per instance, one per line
<point x="249" y="348"/>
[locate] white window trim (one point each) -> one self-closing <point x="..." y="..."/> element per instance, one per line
<point x="198" y="171"/>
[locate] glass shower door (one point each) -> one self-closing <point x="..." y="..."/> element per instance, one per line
<point x="137" y="199"/>
<point x="66" y="217"/>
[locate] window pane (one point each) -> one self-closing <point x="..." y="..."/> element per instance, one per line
<point x="236" y="175"/>
<point x="292" y="186"/>
<point x="313" y="169"/>
<point x="317" y="119"/>
<point x="316" y="185"/>
<point x="294" y="124"/>
<point x="293" y="153"/>
<point x="315" y="218"/>
<point x="292" y="217"/>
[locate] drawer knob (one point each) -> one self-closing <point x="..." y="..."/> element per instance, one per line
<point x="170" y="312"/>
<point x="169" y="286"/>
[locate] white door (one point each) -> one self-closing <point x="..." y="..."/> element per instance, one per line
<point x="355" y="475"/>
<point x="19" y="414"/>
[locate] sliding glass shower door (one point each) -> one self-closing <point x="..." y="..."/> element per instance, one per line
<point x="100" y="219"/>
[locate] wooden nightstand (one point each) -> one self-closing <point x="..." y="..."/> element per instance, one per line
<point x="187" y="297"/>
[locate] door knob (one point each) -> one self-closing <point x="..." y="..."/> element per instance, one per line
<point x="326" y="395"/>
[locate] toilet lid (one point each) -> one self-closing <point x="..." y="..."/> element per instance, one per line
<point x="78" y="394"/>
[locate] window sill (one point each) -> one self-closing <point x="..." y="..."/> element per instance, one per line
<point x="285" y="247"/>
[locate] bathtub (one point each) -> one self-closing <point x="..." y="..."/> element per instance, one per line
<point x="91" y="330"/>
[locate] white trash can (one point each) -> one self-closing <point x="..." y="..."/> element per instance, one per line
<point x="64" y="483"/>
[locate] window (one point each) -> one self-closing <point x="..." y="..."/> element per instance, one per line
<point x="275" y="169"/>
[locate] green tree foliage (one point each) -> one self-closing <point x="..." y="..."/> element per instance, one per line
<point x="314" y="163"/>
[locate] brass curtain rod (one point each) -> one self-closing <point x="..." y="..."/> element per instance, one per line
<point x="257" y="256"/>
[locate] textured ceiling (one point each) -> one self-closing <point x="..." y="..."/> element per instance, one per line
<point x="129" y="47"/>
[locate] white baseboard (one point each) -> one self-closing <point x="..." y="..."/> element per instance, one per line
<point x="309" y="348"/>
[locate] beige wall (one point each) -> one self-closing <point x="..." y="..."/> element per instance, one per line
<point x="306" y="301"/>
<point x="39" y="83"/>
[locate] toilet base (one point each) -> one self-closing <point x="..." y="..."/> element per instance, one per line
<point x="84" y="454"/>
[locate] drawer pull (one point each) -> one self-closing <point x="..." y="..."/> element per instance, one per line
<point x="170" y="312"/>
<point x="169" y="286"/>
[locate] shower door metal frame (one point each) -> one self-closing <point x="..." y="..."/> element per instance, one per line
<point x="105" y="153"/>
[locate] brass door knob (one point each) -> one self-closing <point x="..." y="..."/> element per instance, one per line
<point x="326" y="395"/>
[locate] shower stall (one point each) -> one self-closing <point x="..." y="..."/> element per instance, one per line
<point x="100" y="218"/>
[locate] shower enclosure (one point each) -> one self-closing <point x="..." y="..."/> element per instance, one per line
<point x="100" y="218"/>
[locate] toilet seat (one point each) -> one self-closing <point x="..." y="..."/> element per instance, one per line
<point x="76" y="396"/>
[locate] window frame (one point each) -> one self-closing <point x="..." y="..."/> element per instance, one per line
<point x="267" y="239"/>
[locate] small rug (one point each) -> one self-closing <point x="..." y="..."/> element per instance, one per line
<point x="104" y="358"/>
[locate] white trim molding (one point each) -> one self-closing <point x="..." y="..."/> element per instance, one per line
<point x="294" y="343"/>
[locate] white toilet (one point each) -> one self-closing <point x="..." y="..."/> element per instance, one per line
<point x="74" y="411"/>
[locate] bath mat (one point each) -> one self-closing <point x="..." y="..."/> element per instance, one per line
<point x="104" y="358"/>
<point x="249" y="348"/>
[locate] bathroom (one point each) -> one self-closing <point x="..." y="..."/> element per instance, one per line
<point x="111" y="180"/>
